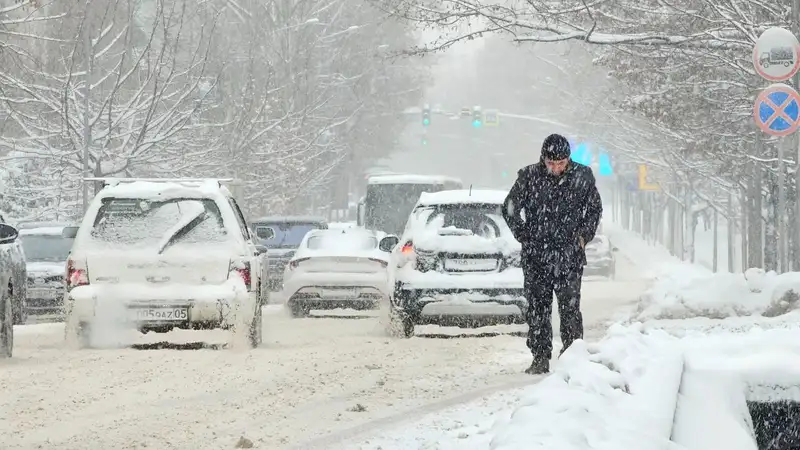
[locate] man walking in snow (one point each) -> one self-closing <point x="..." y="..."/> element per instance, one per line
<point x="553" y="209"/>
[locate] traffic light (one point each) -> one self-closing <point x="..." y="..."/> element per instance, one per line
<point x="477" y="117"/>
<point x="426" y="115"/>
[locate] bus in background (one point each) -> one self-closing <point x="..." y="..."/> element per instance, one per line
<point x="391" y="198"/>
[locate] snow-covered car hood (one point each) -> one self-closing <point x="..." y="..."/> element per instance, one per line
<point x="46" y="268"/>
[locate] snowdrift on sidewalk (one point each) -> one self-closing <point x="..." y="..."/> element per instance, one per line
<point x="620" y="393"/>
<point x="687" y="291"/>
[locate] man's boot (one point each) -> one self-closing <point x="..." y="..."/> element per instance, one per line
<point x="539" y="366"/>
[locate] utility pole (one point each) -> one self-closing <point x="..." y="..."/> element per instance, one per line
<point x="87" y="91"/>
<point x="781" y="212"/>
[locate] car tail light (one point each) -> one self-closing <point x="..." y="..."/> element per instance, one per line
<point x="379" y="261"/>
<point x="243" y="270"/>
<point x="77" y="274"/>
<point x="408" y="249"/>
<point x="294" y="263"/>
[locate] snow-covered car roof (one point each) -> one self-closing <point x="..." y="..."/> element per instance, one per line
<point x="411" y="179"/>
<point x="463" y="196"/>
<point x="290" y="219"/>
<point x="161" y="190"/>
<point x="31" y="225"/>
<point x="42" y="231"/>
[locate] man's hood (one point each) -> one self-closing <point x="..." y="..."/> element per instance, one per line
<point x="46" y="268"/>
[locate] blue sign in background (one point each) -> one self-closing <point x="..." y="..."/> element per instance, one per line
<point x="785" y="104"/>
<point x="582" y="154"/>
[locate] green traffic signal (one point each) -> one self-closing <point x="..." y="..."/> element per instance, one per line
<point x="476" y="123"/>
<point x="504" y="174"/>
<point x="426" y="121"/>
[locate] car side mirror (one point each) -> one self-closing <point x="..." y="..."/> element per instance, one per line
<point x="614" y="249"/>
<point x="69" y="232"/>
<point x="8" y="234"/>
<point x="261" y="249"/>
<point x="388" y="243"/>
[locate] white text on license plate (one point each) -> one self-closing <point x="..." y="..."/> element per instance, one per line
<point x="471" y="264"/>
<point x="161" y="314"/>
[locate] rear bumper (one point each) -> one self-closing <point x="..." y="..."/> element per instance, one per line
<point x="153" y="308"/>
<point x="462" y="307"/>
<point x="328" y="290"/>
<point x="47" y="300"/>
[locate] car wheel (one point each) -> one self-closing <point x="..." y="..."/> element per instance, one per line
<point x="299" y="311"/>
<point x="18" y="302"/>
<point x="6" y="327"/>
<point x="400" y="324"/>
<point x="76" y="334"/>
<point x="256" y="328"/>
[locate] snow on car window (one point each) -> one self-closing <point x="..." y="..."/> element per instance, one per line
<point x="342" y="241"/>
<point x="144" y="223"/>
<point x="479" y="219"/>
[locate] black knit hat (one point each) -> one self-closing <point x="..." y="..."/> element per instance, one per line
<point x="555" y="147"/>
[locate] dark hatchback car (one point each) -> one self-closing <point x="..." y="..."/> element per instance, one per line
<point x="46" y="254"/>
<point x="281" y="236"/>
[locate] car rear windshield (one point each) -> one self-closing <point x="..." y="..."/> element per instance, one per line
<point x="146" y="223"/>
<point x="285" y="234"/>
<point x="342" y="241"/>
<point x="45" y="247"/>
<point x="482" y="220"/>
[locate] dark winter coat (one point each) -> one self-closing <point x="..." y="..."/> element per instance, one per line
<point x="548" y="214"/>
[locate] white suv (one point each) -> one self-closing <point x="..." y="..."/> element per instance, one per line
<point x="163" y="254"/>
<point x="457" y="264"/>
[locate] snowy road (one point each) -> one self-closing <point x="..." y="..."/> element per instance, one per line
<point x="311" y="377"/>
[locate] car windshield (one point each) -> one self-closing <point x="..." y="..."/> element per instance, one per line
<point x="45" y="248"/>
<point x="481" y="220"/>
<point x="342" y="241"/>
<point x="283" y="234"/>
<point x="146" y="223"/>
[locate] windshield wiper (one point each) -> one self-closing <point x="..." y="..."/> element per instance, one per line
<point x="183" y="231"/>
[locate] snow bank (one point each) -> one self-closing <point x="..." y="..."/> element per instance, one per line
<point x="619" y="393"/>
<point x="688" y="291"/>
<point x="724" y="370"/>
<point x="682" y="290"/>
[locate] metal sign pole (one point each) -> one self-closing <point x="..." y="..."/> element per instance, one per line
<point x="796" y="259"/>
<point x="776" y="58"/>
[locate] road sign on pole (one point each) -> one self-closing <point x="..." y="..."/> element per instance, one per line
<point x="645" y="185"/>
<point x="777" y="110"/>
<point x="776" y="54"/>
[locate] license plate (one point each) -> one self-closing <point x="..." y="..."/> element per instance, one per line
<point x="470" y="265"/>
<point x="42" y="293"/>
<point x="157" y="314"/>
<point x="338" y="293"/>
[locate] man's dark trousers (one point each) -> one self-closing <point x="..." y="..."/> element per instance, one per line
<point x="541" y="280"/>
